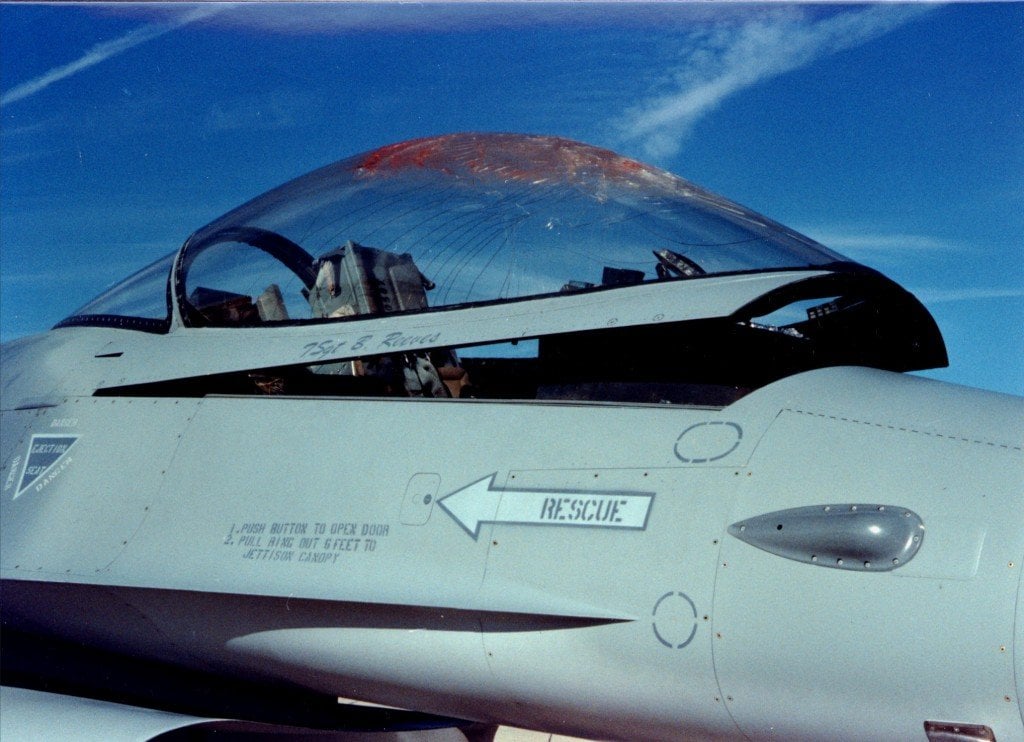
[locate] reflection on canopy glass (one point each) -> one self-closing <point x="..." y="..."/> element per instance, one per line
<point x="481" y="217"/>
<point x="451" y="220"/>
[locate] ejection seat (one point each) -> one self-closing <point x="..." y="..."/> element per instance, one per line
<point x="358" y="280"/>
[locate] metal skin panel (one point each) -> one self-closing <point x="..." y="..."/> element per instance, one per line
<point x="15" y="432"/>
<point x="75" y="514"/>
<point x="308" y="505"/>
<point x="493" y="627"/>
<point x="321" y="464"/>
<point x="185" y="352"/>
<point x="662" y="577"/>
<point x="43" y="369"/>
<point x="209" y="535"/>
<point x="1018" y="641"/>
<point x="35" y="715"/>
<point x="806" y="653"/>
<point x="30" y="714"/>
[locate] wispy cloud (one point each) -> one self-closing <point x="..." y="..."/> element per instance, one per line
<point x="106" y="50"/>
<point x="719" y="62"/>
<point x="274" y="110"/>
<point x="943" y="296"/>
<point x="875" y="244"/>
<point x="446" y="16"/>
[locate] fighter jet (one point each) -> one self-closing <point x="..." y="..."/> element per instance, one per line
<point x="504" y="429"/>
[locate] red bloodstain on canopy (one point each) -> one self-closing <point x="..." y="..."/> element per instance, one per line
<point x="513" y="157"/>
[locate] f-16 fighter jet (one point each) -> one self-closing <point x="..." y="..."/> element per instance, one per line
<point x="502" y="429"/>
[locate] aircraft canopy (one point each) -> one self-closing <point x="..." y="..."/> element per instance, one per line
<point x="452" y="220"/>
<point x="475" y="222"/>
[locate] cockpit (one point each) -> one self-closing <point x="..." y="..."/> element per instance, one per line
<point x="449" y="226"/>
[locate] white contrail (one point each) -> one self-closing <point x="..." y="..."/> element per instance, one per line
<point x="105" y="51"/>
<point x="728" y="58"/>
<point x="868" y="242"/>
<point x="942" y="296"/>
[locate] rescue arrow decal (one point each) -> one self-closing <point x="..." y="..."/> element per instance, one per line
<point x="480" y="502"/>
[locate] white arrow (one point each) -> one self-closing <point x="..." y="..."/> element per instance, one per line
<point x="480" y="503"/>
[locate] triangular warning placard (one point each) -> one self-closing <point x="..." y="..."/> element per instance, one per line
<point x="43" y="452"/>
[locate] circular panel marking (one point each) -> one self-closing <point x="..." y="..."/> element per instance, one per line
<point x="708" y="441"/>
<point x="674" y="620"/>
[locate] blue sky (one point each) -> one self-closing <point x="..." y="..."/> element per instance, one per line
<point x="892" y="133"/>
